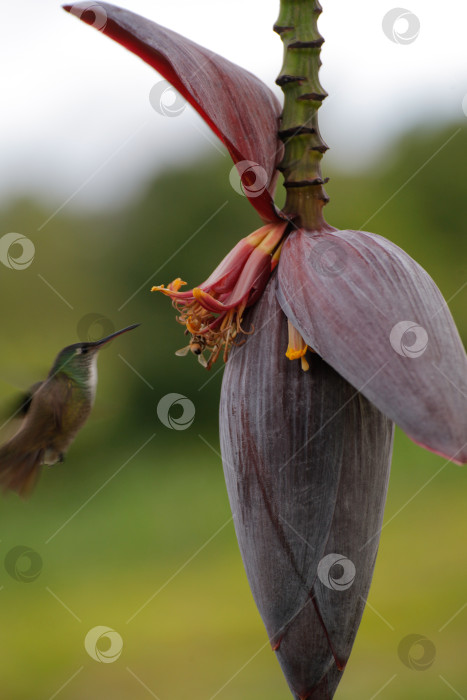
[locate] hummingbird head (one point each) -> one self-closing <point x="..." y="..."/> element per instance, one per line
<point x="79" y="360"/>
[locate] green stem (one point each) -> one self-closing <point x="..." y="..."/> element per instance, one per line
<point x="303" y="96"/>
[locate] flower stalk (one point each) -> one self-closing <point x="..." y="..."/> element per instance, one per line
<point x="306" y="453"/>
<point x="303" y="95"/>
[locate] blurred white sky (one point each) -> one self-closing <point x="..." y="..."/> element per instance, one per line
<point x="75" y="106"/>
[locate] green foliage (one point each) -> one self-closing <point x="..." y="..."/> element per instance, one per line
<point x="124" y="540"/>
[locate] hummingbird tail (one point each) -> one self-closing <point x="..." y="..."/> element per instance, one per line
<point x="19" y="470"/>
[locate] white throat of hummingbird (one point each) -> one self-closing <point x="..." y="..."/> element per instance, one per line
<point x="92" y="379"/>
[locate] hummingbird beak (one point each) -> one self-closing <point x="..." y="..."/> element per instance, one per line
<point x="99" y="343"/>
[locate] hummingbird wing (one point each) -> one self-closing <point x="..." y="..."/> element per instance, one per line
<point x="23" y="402"/>
<point x="15" y="410"/>
<point x="21" y="457"/>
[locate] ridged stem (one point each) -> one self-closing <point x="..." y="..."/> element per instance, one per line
<point x="303" y="96"/>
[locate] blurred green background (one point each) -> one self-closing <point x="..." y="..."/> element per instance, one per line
<point x="134" y="530"/>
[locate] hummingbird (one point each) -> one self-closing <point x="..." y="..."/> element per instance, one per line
<point x="53" y="412"/>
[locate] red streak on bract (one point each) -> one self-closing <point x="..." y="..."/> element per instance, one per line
<point x="276" y="645"/>
<point x="241" y="110"/>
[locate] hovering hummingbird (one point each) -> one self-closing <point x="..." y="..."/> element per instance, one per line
<point x="53" y="411"/>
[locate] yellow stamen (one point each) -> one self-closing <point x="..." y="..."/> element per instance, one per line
<point x="176" y="284"/>
<point x="297" y="347"/>
<point x="257" y="236"/>
<point x="172" y="287"/>
<point x="276" y="256"/>
<point x="191" y="327"/>
<point x="269" y="243"/>
<point x="219" y="323"/>
<point x="295" y="354"/>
